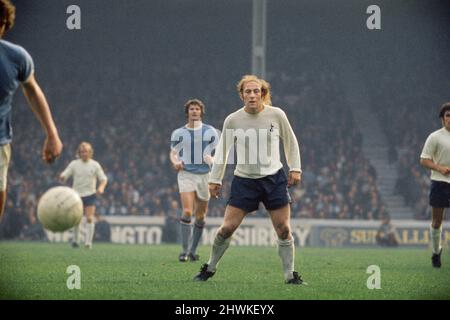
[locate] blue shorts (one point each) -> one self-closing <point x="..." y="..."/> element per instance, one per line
<point x="89" y="200"/>
<point x="439" y="194"/>
<point x="246" y="194"/>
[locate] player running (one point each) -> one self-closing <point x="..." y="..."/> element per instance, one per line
<point x="436" y="157"/>
<point x="192" y="148"/>
<point x="85" y="172"/>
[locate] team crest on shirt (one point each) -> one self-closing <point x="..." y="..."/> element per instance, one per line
<point x="273" y="129"/>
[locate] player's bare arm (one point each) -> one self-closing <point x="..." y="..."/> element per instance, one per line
<point x="428" y="163"/>
<point x="176" y="162"/>
<point x="101" y="187"/>
<point x="36" y="99"/>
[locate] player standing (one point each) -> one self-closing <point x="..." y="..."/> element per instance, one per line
<point x="192" y="147"/>
<point x="16" y="67"/>
<point x="436" y="157"/>
<point x="256" y="129"/>
<point x="85" y="172"/>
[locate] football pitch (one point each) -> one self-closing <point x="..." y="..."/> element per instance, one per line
<point x="111" y="271"/>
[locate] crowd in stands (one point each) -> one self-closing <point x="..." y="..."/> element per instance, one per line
<point x="131" y="139"/>
<point x="127" y="104"/>
<point x="338" y="181"/>
<point x="408" y="117"/>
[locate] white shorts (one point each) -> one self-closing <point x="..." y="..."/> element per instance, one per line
<point x="5" y="156"/>
<point x="189" y="182"/>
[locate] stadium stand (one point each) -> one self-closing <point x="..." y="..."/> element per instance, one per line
<point x="124" y="91"/>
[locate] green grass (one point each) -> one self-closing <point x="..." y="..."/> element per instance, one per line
<point x="111" y="271"/>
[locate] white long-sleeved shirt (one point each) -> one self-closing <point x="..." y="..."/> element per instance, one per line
<point x="85" y="175"/>
<point x="256" y="138"/>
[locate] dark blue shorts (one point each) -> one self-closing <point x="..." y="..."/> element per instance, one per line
<point x="439" y="194"/>
<point x="89" y="200"/>
<point x="246" y="194"/>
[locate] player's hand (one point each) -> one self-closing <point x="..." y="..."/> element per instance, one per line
<point x="208" y="159"/>
<point x="100" y="191"/>
<point x="52" y="148"/>
<point x="294" y="178"/>
<point x="179" y="166"/>
<point x="444" y="170"/>
<point x="214" y="190"/>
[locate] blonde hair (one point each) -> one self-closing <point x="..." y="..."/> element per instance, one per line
<point x="87" y="144"/>
<point x="265" y="87"/>
<point x="7" y="14"/>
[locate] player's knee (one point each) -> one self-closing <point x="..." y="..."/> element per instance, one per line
<point x="226" y="231"/>
<point x="436" y="224"/>
<point x="187" y="213"/>
<point x="200" y="223"/>
<point x="283" y="232"/>
<point x="200" y="216"/>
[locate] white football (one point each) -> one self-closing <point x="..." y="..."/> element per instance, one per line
<point x="59" y="209"/>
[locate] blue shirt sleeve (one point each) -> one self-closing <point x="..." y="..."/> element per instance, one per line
<point x="26" y="65"/>
<point x="175" y="139"/>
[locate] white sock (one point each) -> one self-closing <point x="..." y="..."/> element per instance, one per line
<point x="219" y="247"/>
<point x="90" y="232"/>
<point x="76" y="234"/>
<point x="286" y="253"/>
<point x="436" y="239"/>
